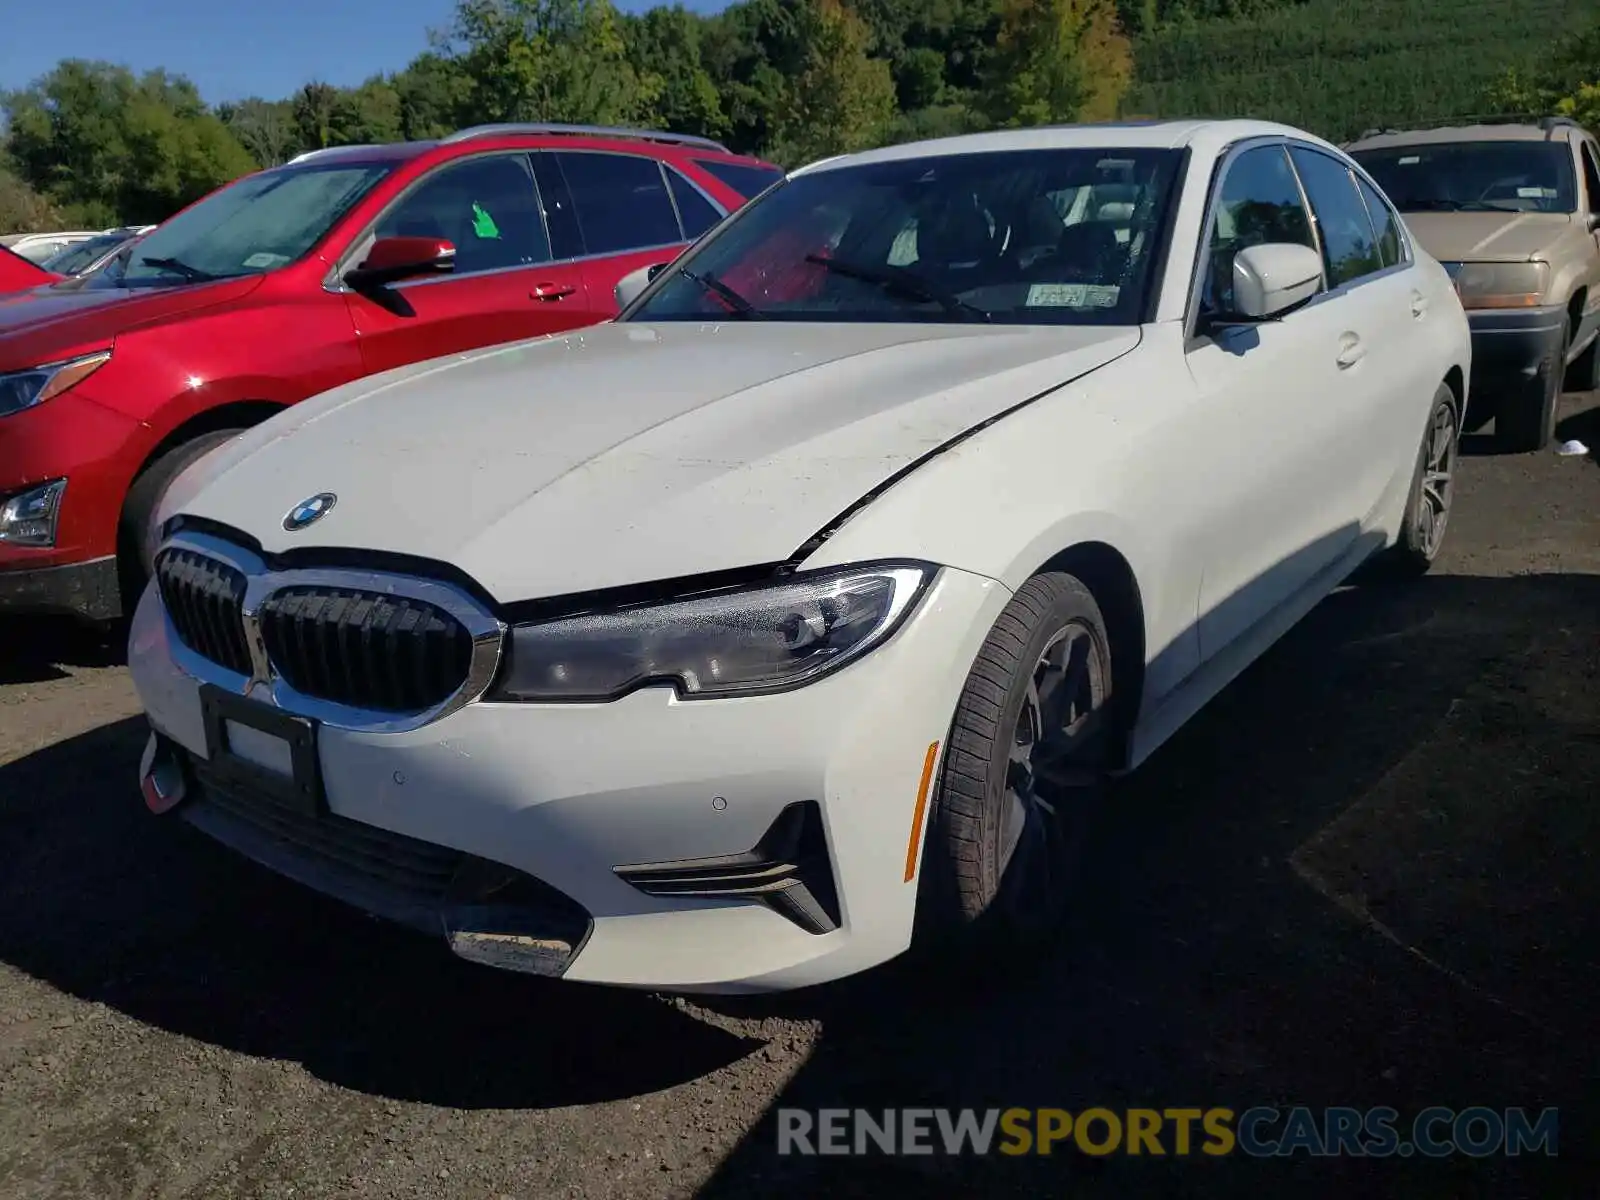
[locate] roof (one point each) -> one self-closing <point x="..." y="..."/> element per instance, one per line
<point x="1208" y="137"/>
<point x="1497" y="131"/>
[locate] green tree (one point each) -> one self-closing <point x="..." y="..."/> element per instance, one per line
<point x="265" y="128"/>
<point x="435" y="97"/>
<point x="664" y="44"/>
<point x="550" y="60"/>
<point x="107" y="146"/>
<point x="842" y="99"/>
<point x="23" y="210"/>
<point x="1057" y="61"/>
<point x="315" y="108"/>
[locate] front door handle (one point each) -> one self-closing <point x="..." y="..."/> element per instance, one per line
<point x="1351" y="351"/>
<point x="551" y="291"/>
<point x="1419" y="305"/>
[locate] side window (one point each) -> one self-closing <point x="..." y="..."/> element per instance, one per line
<point x="694" y="210"/>
<point x="560" y="216"/>
<point x="1349" y="246"/>
<point x="1259" y="202"/>
<point x="488" y="207"/>
<point x="1591" y="175"/>
<point x="622" y="201"/>
<point x="1384" y="223"/>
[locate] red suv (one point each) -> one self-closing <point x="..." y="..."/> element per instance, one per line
<point x="291" y="281"/>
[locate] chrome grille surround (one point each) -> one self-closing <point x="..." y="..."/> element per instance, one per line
<point x="267" y="684"/>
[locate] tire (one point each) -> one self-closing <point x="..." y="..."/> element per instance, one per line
<point x="1584" y="373"/>
<point x="1526" y="418"/>
<point x="134" y="543"/>
<point x="1428" y="505"/>
<point x="989" y="880"/>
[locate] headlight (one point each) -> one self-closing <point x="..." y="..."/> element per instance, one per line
<point x="736" y="643"/>
<point x="1500" y="285"/>
<point x="30" y="518"/>
<point x="24" y="389"/>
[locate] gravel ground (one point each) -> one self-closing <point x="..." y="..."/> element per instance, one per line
<point x="1366" y="875"/>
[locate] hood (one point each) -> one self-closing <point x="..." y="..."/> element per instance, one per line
<point x="49" y="322"/>
<point x="17" y="272"/>
<point x="628" y="453"/>
<point x="1487" y="236"/>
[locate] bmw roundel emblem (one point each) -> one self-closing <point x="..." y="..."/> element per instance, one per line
<point x="309" y="511"/>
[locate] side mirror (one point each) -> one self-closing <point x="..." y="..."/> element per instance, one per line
<point x="1272" y="278"/>
<point x="392" y="259"/>
<point x="634" y="282"/>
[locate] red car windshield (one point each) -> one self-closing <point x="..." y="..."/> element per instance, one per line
<point x="258" y="224"/>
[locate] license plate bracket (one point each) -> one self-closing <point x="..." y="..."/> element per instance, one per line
<point x="300" y="790"/>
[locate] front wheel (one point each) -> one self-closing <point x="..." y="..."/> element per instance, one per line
<point x="1026" y="757"/>
<point x="135" y="540"/>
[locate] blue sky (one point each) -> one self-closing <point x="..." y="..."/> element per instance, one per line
<point x="230" y="48"/>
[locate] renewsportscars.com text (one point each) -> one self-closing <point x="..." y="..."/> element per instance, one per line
<point x="1261" y="1132"/>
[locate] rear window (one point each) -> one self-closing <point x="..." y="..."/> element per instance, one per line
<point x="748" y="179"/>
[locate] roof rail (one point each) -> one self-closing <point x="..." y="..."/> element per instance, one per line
<point x="326" y="150"/>
<point x="1533" y="120"/>
<point x="599" y="131"/>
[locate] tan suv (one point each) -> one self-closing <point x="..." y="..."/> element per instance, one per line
<point x="1512" y="211"/>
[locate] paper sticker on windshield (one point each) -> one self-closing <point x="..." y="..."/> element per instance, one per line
<point x="1057" y="295"/>
<point x="1410" y="160"/>
<point x="1102" y="295"/>
<point x="1536" y="193"/>
<point x="264" y="261"/>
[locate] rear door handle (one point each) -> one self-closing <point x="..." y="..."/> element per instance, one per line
<point x="551" y="291"/>
<point x="1419" y="305"/>
<point x="1351" y="351"/>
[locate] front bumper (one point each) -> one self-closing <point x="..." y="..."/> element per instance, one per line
<point x="1509" y="346"/>
<point x="614" y="817"/>
<point x="85" y="589"/>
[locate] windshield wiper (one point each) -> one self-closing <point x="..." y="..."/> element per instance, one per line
<point x="712" y="284"/>
<point x="905" y="283"/>
<point x="177" y="265"/>
<point x="1433" y="204"/>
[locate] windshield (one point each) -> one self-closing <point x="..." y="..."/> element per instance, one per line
<point x="80" y="255"/>
<point x="1046" y="237"/>
<point x="258" y="224"/>
<point x="1475" y="176"/>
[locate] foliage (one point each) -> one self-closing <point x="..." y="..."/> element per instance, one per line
<point x="105" y="145"/>
<point x="1566" y="82"/>
<point x="794" y="80"/>
<point x="1056" y="61"/>
<point x="842" y="99"/>
<point x="1338" y="67"/>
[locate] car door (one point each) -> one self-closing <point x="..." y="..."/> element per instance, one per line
<point x="626" y="214"/>
<point x="1387" y="385"/>
<point x="1265" y="502"/>
<point x="505" y="286"/>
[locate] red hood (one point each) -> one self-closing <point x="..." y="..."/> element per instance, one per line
<point x="17" y="272"/>
<point x="45" y="323"/>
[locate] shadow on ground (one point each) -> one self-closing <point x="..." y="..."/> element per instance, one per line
<point x="1365" y="875"/>
<point x="35" y="650"/>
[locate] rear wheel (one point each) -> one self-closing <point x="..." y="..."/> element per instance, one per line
<point x="1025" y="761"/>
<point x="1526" y="417"/>
<point x="1432" y="490"/>
<point x="135" y="540"/>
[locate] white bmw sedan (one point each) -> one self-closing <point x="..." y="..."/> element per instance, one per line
<point x="804" y="606"/>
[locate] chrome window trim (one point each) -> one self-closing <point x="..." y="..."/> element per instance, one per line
<point x="264" y="684"/>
